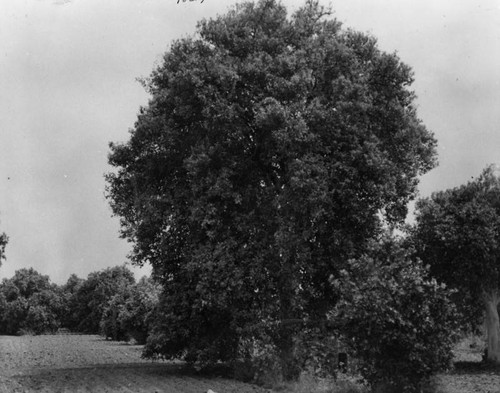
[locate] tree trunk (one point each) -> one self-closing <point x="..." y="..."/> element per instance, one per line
<point x="492" y="323"/>
<point x="285" y="343"/>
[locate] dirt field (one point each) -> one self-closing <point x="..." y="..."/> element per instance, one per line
<point x="80" y="363"/>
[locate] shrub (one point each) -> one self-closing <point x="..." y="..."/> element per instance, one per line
<point x="399" y="321"/>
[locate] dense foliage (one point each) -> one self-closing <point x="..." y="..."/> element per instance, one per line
<point x="31" y="304"/>
<point x="457" y="233"/>
<point x="270" y="151"/>
<point x="398" y="320"/>
<point x="92" y="295"/>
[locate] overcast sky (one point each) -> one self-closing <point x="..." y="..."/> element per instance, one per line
<point x="68" y="87"/>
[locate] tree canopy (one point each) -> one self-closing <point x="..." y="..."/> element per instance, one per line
<point x="271" y="149"/>
<point x="457" y="232"/>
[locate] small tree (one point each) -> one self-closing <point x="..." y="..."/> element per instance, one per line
<point x="457" y="232"/>
<point x="398" y="320"/>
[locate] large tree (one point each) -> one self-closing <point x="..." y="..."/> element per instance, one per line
<point x="270" y="151"/>
<point x="457" y="232"/>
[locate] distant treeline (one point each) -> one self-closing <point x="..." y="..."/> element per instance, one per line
<point x="109" y="302"/>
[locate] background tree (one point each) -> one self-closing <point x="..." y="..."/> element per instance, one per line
<point x="92" y="295"/>
<point x="457" y="232"/>
<point x="30" y="303"/>
<point x="46" y="309"/>
<point x="269" y="151"/>
<point x="72" y="301"/>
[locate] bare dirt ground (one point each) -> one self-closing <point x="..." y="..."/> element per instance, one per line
<point x="82" y="363"/>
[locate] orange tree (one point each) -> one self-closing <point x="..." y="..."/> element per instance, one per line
<point x="270" y="151"/>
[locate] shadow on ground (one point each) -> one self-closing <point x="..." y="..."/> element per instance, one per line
<point x="476" y="368"/>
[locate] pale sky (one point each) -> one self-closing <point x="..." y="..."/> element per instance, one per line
<point x="68" y="87"/>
